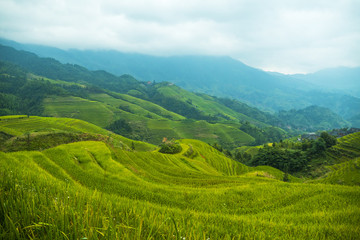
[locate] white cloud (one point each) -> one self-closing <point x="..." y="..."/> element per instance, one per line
<point x="281" y="35"/>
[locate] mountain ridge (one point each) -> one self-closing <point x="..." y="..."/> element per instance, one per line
<point x="165" y="94"/>
<point x="217" y="76"/>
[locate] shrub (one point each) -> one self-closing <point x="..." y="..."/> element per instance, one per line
<point x="170" y="147"/>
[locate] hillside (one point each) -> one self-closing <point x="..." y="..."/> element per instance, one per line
<point x="225" y="77"/>
<point x="95" y="190"/>
<point x="62" y="97"/>
<point x="132" y="117"/>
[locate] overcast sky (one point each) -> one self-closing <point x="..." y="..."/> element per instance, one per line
<point x="288" y="36"/>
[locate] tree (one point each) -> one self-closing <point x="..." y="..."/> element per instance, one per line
<point x="318" y="147"/>
<point x="170" y="147"/>
<point x="329" y="140"/>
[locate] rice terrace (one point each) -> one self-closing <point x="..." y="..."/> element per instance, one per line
<point x="102" y="189"/>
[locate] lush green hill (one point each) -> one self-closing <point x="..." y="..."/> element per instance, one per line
<point x="96" y="190"/>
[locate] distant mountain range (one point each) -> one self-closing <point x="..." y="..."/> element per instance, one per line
<point x="224" y="77"/>
<point x="341" y="79"/>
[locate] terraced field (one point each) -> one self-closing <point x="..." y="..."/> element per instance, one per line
<point x="149" y="120"/>
<point x="96" y="190"/>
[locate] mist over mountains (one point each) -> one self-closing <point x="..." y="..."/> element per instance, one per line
<point x="336" y="89"/>
<point x="340" y="79"/>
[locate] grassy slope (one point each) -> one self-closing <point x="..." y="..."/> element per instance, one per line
<point x="94" y="190"/>
<point x="147" y="117"/>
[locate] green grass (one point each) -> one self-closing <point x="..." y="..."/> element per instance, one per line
<point x="96" y="190"/>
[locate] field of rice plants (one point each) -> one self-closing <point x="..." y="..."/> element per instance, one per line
<point x="97" y="190"/>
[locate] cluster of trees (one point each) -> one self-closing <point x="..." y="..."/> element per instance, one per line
<point x="287" y="156"/>
<point x="285" y="160"/>
<point x="170" y="147"/>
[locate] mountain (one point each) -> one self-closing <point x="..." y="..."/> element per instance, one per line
<point x="217" y="76"/>
<point x="341" y="79"/>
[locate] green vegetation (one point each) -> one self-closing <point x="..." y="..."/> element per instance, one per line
<point x="285" y="160"/>
<point x="312" y="118"/>
<point x="103" y="190"/>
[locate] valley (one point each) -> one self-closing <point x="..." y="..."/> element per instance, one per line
<point x="82" y="157"/>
